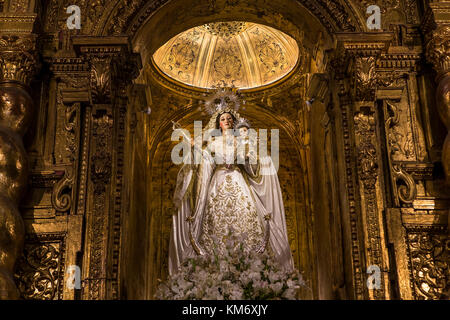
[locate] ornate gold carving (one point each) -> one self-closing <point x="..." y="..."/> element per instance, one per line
<point x="429" y="263"/>
<point x="67" y="126"/>
<point x="112" y="66"/>
<point x="335" y="15"/>
<point x="40" y="271"/>
<point x="337" y="11"/>
<point x="366" y="78"/>
<point x="399" y="136"/>
<point x="101" y="170"/>
<point x="344" y="100"/>
<point x="83" y="168"/>
<point x="412" y="14"/>
<point x="392" y="11"/>
<point x="406" y="192"/>
<point x="367" y="155"/>
<point x="126" y="17"/>
<point x="101" y="160"/>
<point x="118" y="202"/>
<point x="96" y="9"/>
<point x="438" y="49"/>
<point x="226" y="29"/>
<point x="122" y="15"/>
<point x="101" y="79"/>
<point x="17" y="59"/>
<point x="19" y="6"/>
<point x="61" y="200"/>
<point x="368" y="174"/>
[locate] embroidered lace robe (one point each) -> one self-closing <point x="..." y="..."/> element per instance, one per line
<point x="219" y="194"/>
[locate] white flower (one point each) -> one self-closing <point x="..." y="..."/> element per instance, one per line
<point x="236" y="294"/>
<point x="275" y="276"/>
<point x="255" y="276"/>
<point x="289" y="294"/>
<point x="233" y="274"/>
<point x="257" y="265"/>
<point x="276" y="287"/>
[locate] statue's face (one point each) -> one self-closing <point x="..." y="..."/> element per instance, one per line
<point x="226" y="121"/>
<point x="243" y="132"/>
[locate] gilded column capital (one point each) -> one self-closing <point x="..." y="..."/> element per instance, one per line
<point x="438" y="49"/>
<point x="113" y="65"/>
<point x="18" y="58"/>
<point x="356" y="56"/>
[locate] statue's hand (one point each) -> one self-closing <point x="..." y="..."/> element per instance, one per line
<point x="175" y="125"/>
<point x="250" y="156"/>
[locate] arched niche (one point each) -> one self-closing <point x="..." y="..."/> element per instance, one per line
<point x="162" y="181"/>
<point x="280" y="105"/>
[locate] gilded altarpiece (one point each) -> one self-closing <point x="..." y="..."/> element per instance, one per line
<point x="85" y="123"/>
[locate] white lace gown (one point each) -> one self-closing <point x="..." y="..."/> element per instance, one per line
<point x="227" y="195"/>
<point x="229" y="204"/>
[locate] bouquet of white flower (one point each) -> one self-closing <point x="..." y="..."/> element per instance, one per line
<point x="236" y="274"/>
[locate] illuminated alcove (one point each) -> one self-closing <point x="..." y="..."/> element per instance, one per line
<point x="167" y="95"/>
<point x="235" y="53"/>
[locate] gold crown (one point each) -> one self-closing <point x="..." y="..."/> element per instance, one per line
<point x="242" y="123"/>
<point x="223" y="100"/>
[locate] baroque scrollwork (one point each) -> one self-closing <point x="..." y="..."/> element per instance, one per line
<point x="40" y="274"/>
<point x="407" y="192"/>
<point x="430" y="256"/>
<point x="61" y="199"/>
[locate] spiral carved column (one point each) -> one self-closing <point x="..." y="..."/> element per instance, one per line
<point x="438" y="53"/>
<point x="17" y="65"/>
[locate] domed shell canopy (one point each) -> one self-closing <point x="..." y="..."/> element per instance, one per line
<point x="239" y="54"/>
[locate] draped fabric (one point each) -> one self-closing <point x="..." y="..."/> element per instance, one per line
<point x="218" y="194"/>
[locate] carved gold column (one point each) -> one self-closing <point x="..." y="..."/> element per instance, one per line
<point x="438" y="53"/>
<point x="358" y="55"/>
<point x="112" y="68"/>
<point x="17" y="66"/>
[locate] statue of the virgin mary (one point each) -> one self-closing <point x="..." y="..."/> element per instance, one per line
<point x="221" y="194"/>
